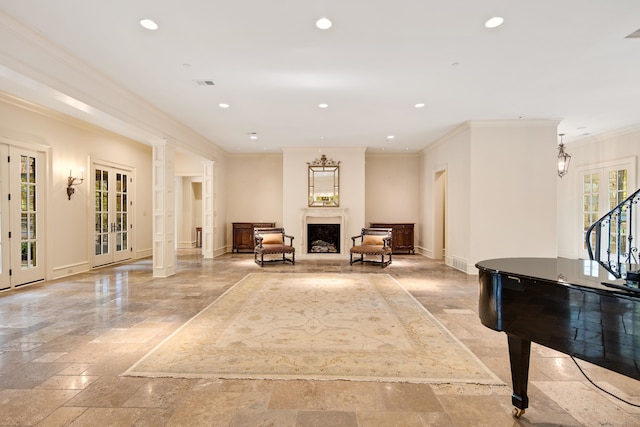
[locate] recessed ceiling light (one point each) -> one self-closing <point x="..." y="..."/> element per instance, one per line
<point x="149" y="24"/>
<point x="390" y="137"/>
<point x="223" y="105"/>
<point x="323" y="105"/>
<point x="494" y="22"/>
<point x="324" y="23"/>
<point x="419" y="105"/>
<point x="253" y="136"/>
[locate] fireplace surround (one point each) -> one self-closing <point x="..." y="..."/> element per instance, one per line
<point x="336" y="216"/>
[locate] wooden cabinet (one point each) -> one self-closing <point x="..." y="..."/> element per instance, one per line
<point x="243" y="234"/>
<point x="401" y="235"/>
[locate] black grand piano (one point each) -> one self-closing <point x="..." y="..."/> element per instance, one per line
<point x="574" y="306"/>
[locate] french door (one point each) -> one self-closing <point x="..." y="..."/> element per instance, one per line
<point x="21" y="216"/>
<point x="111" y="207"/>
<point x="603" y="188"/>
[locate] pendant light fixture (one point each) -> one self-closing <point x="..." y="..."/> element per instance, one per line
<point x="564" y="159"/>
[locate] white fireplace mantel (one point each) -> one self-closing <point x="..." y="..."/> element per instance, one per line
<point x="334" y="215"/>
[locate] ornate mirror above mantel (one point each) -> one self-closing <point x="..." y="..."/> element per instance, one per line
<point x="324" y="182"/>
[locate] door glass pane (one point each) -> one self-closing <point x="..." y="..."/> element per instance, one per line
<point x="23" y="226"/>
<point x="102" y="212"/>
<point x="590" y="204"/>
<point x="32" y="226"/>
<point x="121" y="208"/>
<point x="32" y="170"/>
<point x="28" y="212"/>
<point x="617" y="193"/>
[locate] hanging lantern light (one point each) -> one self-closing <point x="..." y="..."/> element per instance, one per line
<point x="564" y="159"/>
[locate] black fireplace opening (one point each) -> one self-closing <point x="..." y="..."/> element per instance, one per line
<point x="323" y="238"/>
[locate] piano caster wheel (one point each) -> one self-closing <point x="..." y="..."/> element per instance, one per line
<point x="517" y="412"/>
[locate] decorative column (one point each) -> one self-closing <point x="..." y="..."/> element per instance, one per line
<point x="208" y="209"/>
<point x="164" y="246"/>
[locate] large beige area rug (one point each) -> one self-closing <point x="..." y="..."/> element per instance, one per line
<point x="361" y="327"/>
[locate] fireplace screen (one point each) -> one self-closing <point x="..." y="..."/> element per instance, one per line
<point x="323" y="238"/>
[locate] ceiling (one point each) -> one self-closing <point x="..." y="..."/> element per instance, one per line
<point x="568" y="60"/>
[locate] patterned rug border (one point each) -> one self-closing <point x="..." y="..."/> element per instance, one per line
<point x="491" y="380"/>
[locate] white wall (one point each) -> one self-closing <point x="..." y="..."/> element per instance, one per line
<point x="452" y="154"/>
<point x="586" y="154"/>
<point x="513" y="190"/>
<point x="295" y="189"/>
<point x="392" y="189"/>
<point x="501" y="191"/>
<point x="254" y="190"/>
<point x="72" y="143"/>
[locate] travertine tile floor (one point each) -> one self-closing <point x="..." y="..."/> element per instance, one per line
<point x="64" y="344"/>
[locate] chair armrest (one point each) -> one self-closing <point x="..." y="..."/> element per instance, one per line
<point x="386" y="241"/>
<point x="289" y="237"/>
<point x="353" y="239"/>
<point x="258" y="241"/>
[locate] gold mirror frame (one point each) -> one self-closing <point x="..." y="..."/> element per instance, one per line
<point x="324" y="183"/>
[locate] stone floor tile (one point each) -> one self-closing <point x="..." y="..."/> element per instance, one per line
<point x="410" y="397"/>
<point x="353" y="395"/>
<point x="300" y="395"/>
<point x="587" y="405"/>
<point x="61" y="417"/>
<point x="326" y="418"/>
<point x="108" y="417"/>
<point x="107" y="392"/>
<point x="206" y="409"/>
<point x="160" y="393"/>
<point x="476" y="411"/>
<point x="21" y="407"/>
<point x="252" y="418"/>
<point x="390" y="419"/>
<point x="67" y="382"/>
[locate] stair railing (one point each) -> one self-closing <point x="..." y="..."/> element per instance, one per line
<point x="617" y="228"/>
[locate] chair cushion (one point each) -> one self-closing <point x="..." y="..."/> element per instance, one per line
<point x="275" y="249"/>
<point x="372" y="240"/>
<point x="371" y="250"/>
<point x="271" y="238"/>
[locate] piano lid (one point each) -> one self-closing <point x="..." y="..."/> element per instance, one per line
<point x="571" y="272"/>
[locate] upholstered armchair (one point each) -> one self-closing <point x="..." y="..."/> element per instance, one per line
<point x="374" y="243"/>
<point x="272" y="241"/>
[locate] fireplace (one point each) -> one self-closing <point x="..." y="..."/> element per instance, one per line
<point x="323" y="238"/>
<point x="335" y="217"/>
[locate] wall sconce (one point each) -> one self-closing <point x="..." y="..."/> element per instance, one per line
<point x="563" y="159"/>
<point x="71" y="181"/>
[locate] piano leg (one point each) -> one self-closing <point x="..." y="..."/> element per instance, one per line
<point x="519" y="355"/>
